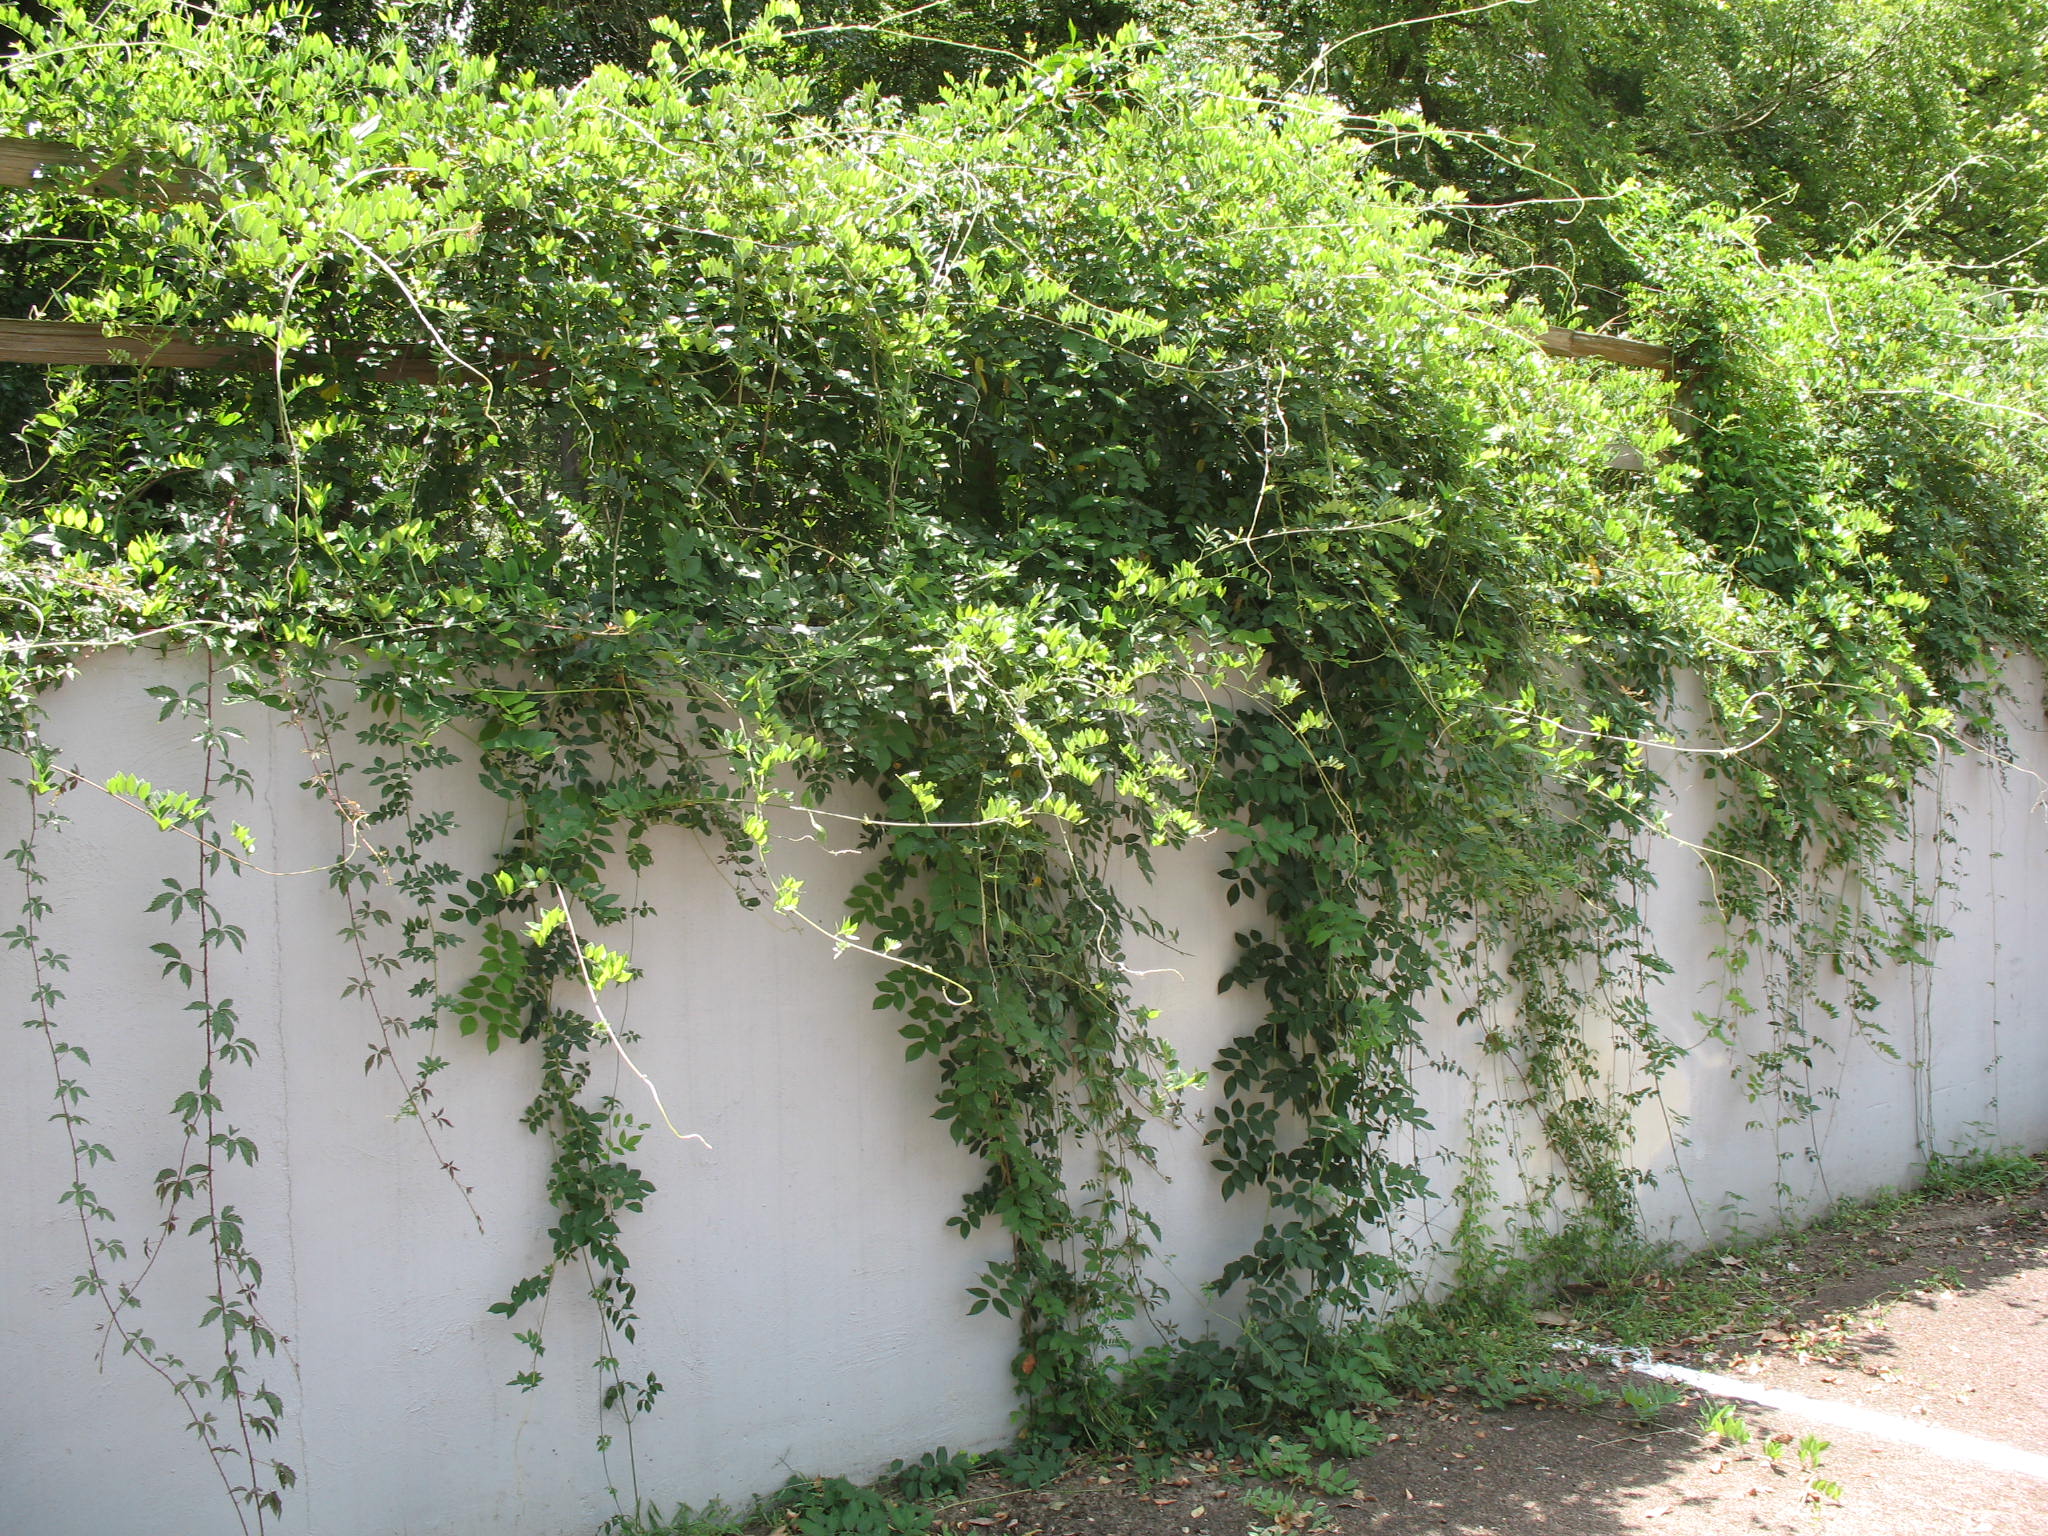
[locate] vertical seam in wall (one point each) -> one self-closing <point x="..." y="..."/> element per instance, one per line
<point x="281" y="1011"/>
<point x="1916" y="988"/>
<point x="1995" y="824"/>
<point x="1942" y="787"/>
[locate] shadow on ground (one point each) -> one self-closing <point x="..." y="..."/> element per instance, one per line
<point x="1935" y="1315"/>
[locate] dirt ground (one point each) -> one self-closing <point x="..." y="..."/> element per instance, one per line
<point x="1938" y="1317"/>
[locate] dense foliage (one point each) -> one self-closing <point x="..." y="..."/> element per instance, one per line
<point x="1068" y="466"/>
<point x="1908" y="124"/>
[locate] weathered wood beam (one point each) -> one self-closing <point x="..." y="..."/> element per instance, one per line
<point x="65" y="343"/>
<point x="23" y="160"/>
<point x="68" y="344"/>
<point x="1614" y="349"/>
<point x="26" y="163"/>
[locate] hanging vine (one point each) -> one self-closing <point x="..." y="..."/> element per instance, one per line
<point x="1071" y="469"/>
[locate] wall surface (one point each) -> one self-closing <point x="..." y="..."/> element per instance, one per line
<point x="802" y="1297"/>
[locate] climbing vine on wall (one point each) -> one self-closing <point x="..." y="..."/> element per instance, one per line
<point x="1065" y="470"/>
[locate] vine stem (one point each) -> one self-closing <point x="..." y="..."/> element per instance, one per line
<point x="605" y="1024"/>
<point x="84" y="1202"/>
<point x="209" y="936"/>
<point x="413" y="1089"/>
<point x="610" y="1351"/>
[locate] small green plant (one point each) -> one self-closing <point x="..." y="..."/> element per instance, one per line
<point x="935" y="1475"/>
<point x="1284" y="1461"/>
<point x="1344" y="1434"/>
<point x="1284" y="1512"/>
<point x="1291" y="1461"/>
<point x="1810" y="1449"/>
<point x="1497" y="1388"/>
<point x="714" y="1519"/>
<point x="1151" y="1468"/>
<point x="1029" y="1466"/>
<point x="1824" y="1488"/>
<point x="1986" y="1174"/>
<point x="1649" y="1399"/>
<point x="832" y="1506"/>
<point x="1575" y="1389"/>
<point x="1332" y="1478"/>
<point x="1774" y="1449"/>
<point x="1721" y="1421"/>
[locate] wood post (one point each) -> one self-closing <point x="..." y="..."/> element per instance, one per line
<point x="1614" y="349"/>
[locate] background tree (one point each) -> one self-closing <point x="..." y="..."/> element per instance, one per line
<point x="1913" y="124"/>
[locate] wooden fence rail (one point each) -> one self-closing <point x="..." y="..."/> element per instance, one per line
<point x="68" y="344"/>
<point x="26" y="163"/>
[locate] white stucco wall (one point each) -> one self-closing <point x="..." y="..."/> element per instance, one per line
<point x="802" y="1297"/>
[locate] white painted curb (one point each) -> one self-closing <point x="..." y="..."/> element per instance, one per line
<point x="1884" y="1426"/>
